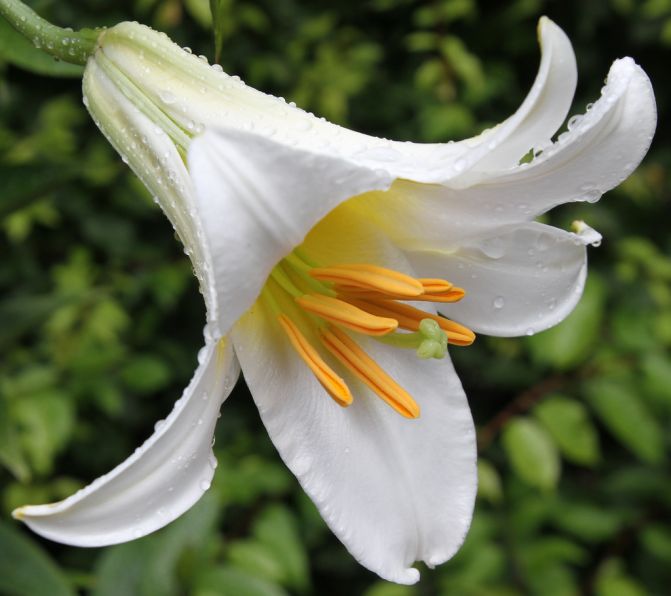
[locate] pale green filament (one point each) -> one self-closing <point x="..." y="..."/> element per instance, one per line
<point x="302" y="270"/>
<point x="429" y="342"/>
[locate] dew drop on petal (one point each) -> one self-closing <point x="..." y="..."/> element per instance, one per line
<point x="167" y="97"/>
<point x="499" y="302"/>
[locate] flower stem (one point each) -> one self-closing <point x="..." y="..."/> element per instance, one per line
<point x="63" y="44"/>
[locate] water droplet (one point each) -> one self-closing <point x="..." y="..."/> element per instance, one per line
<point x="386" y="154"/>
<point x="167" y="97"/>
<point x="573" y="121"/>
<point x="499" y="302"/>
<point x="205" y="485"/>
<point x="494" y="248"/>
<point x="459" y="165"/>
<point x="187" y="49"/>
<point x="159" y="425"/>
<point x="530" y="331"/>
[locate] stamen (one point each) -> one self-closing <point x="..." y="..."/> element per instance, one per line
<point x="435" y="285"/>
<point x="345" y="314"/>
<point x="370" y="278"/>
<point x="453" y="295"/>
<point x="329" y="380"/>
<point x="368" y="371"/>
<point x="409" y="318"/>
<point x="441" y="290"/>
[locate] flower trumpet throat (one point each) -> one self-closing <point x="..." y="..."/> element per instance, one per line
<point x="364" y="299"/>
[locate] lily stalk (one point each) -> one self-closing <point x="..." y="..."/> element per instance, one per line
<point x="63" y="44"/>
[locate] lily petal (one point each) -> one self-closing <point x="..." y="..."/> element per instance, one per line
<point x="199" y="96"/>
<point x="542" y="112"/>
<point x="520" y="280"/>
<point x="394" y="491"/>
<point x="257" y="199"/>
<point x="160" y="481"/>
<point x="154" y="158"/>
<point x="594" y="156"/>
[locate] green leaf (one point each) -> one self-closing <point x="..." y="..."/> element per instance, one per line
<point x="587" y="521"/>
<point x="22" y="314"/>
<point x="148" y="567"/>
<point x="257" y="559"/>
<point x="657" y="541"/>
<point x="623" y="412"/>
<point x="224" y="580"/>
<point x="22" y="185"/>
<point x="146" y="373"/>
<point x="220" y="26"/>
<point x="656" y="380"/>
<point x="11" y="455"/>
<point x="120" y="568"/>
<point x="573" y="341"/>
<point x="531" y="453"/>
<point x="276" y="529"/>
<point x="613" y="581"/>
<point x="383" y="588"/>
<point x="25" y="570"/>
<point x="17" y="50"/>
<point x="489" y="482"/>
<point x="569" y="423"/>
<point x="47" y="421"/>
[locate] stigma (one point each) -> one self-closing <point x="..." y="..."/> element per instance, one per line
<point x="326" y="307"/>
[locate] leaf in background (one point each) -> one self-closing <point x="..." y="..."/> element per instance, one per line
<point x="225" y="580"/>
<point x="11" y="455"/>
<point x="569" y="423"/>
<point x="656" y="380"/>
<point x="17" y="50"/>
<point x="148" y="567"/>
<point x="25" y="570"/>
<point x="383" y="588"/>
<point x="656" y="539"/>
<point x="46" y="421"/>
<point x="532" y="453"/>
<point x="588" y="521"/>
<point x="258" y="559"/>
<point x="24" y="313"/>
<point x="276" y="529"/>
<point x="489" y="482"/>
<point x="613" y="581"/>
<point x="572" y="341"/>
<point x="119" y="569"/>
<point x="219" y="11"/>
<point x="627" y="417"/>
<point x="22" y="185"/>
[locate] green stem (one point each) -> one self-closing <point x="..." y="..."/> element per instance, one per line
<point x="63" y="44"/>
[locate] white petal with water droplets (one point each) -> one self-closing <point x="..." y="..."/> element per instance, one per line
<point x="393" y="490"/>
<point x="160" y="481"/>
<point x="520" y="280"/>
<point x="542" y="112"/>
<point x="257" y="200"/>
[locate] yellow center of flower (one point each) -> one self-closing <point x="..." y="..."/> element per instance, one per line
<point x="311" y="301"/>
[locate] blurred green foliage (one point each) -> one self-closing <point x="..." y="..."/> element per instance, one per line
<point x="101" y="320"/>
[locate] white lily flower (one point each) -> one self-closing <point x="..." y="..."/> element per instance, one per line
<point x="299" y="230"/>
